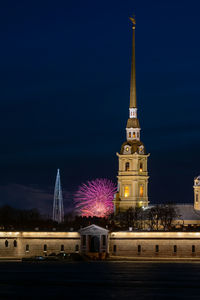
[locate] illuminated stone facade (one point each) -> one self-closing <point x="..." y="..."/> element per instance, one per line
<point x="155" y="244"/>
<point x="132" y="182"/>
<point x="30" y="244"/>
<point x="17" y="245"/>
<point x="26" y="244"/>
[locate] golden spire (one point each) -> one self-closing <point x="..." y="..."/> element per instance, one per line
<point x="133" y="103"/>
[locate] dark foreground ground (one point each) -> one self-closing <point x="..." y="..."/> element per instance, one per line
<point x="99" y="280"/>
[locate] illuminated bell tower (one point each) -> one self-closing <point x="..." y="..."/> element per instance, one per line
<point x="197" y="193"/>
<point x="132" y="172"/>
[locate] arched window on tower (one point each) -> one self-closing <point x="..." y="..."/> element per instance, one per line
<point x="141" y="167"/>
<point x="134" y="135"/>
<point x="197" y="198"/>
<point x="126" y="191"/>
<point x="141" y="191"/>
<point x="127" y="166"/>
<point x="129" y="135"/>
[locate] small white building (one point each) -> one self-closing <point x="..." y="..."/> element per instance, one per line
<point x="94" y="239"/>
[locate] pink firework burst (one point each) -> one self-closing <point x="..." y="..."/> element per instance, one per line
<point x="95" y="198"/>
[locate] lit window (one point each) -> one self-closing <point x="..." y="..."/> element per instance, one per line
<point x="141" y="191"/>
<point x="126" y="191"/>
<point x="127" y="165"/>
<point x="197" y="198"/>
<point x="129" y="134"/>
<point x="134" y="135"/>
<point x="141" y="167"/>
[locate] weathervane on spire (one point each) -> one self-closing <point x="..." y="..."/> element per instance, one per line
<point x="133" y="20"/>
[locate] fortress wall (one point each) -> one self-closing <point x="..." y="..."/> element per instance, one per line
<point x="36" y="242"/>
<point x="120" y="244"/>
<point x="169" y="244"/>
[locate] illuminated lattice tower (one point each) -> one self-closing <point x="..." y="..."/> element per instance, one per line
<point x="132" y="172"/>
<point x="58" y="211"/>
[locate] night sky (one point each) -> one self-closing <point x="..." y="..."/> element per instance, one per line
<point x="64" y="96"/>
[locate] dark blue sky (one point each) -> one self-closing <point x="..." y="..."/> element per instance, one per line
<point x="65" y="73"/>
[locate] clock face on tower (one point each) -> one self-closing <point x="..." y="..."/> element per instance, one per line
<point x="141" y="149"/>
<point x="127" y="149"/>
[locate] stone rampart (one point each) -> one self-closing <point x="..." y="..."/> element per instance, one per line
<point x="26" y="244"/>
<point x="155" y="244"/>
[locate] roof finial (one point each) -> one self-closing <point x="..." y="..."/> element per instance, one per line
<point x="133" y="20"/>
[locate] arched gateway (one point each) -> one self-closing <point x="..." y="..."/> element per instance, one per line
<point x="94" y="239"/>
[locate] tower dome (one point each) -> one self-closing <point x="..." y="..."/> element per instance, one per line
<point x="132" y="147"/>
<point x="197" y="181"/>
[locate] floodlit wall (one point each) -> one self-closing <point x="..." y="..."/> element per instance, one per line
<point x="155" y="244"/>
<point x="127" y="244"/>
<point x="27" y="244"/>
